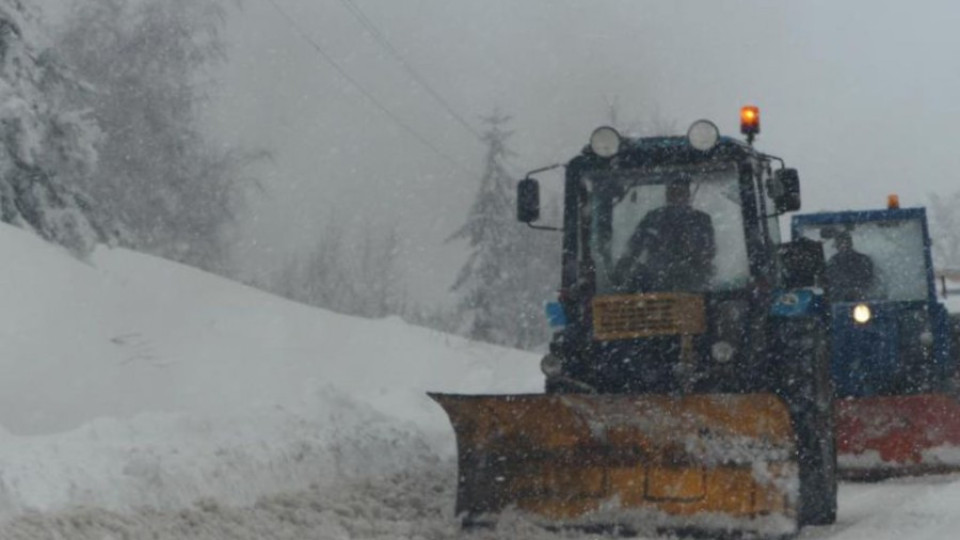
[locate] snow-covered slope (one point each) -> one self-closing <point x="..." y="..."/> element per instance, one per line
<point x="132" y="381"/>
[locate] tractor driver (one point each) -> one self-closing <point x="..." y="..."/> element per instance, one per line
<point x="849" y="273"/>
<point x="672" y="248"/>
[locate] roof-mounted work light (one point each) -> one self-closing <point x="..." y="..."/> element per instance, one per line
<point x="605" y="141"/>
<point x="750" y="122"/>
<point x="703" y="135"/>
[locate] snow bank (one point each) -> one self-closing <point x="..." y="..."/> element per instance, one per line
<point x="172" y="460"/>
<point x="131" y="381"/>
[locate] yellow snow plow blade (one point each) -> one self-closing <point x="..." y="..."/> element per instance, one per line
<point x="699" y="462"/>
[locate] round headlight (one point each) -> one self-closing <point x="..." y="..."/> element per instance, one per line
<point x="605" y="141"/>
<point x="862" y="314"/>
<point x="551" y="365"/>
<point x="703" y="135"/>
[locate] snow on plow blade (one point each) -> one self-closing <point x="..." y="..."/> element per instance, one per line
<point x="704" y="462"/>
<point x="883" y="436"/>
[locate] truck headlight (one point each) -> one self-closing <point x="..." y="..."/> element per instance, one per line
<point x="862" y="314"/>
<point x="551" y="366"/>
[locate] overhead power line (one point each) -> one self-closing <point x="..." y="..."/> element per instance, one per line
<point x="384" y="43"/>
<point x="366" y="93"/>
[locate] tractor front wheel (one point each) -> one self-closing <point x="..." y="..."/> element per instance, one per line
<point x="803" y="357"/>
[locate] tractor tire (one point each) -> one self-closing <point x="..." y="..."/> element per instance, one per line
<point x="554" y="385"/>
<point x="805" y="383"/>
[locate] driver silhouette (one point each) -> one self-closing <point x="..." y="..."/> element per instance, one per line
<point x="672" y="248"/>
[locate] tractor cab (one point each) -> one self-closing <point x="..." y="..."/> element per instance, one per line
<point x="671" y="257"/>
<point x="893" y="360"/>
<point x="659" y="230"/>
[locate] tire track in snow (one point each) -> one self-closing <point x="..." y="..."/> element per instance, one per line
<point x="418" y="505"/>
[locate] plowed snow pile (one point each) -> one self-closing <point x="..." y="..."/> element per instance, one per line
<point x="130" y="382"/>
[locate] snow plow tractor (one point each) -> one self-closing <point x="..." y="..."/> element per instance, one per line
<point x="894" y="360"/>
<point x="689" y="387"/>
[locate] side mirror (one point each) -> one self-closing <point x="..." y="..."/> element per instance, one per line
<point x="803" y="263"/>
<point x="785" y="189"/>
<point x="528" y="200"/>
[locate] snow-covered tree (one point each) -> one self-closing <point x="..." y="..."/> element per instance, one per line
<point x="506" y="277"/>
<point x="945" y="230"/>
<point x="147" y="64"/>
<point x="48" y="147"/>
<point x="350" y="272"/>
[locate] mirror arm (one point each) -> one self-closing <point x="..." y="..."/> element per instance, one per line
<point x="543" y="169"/>
<point x="543" y="227"/>
<point x="783" y="164"/>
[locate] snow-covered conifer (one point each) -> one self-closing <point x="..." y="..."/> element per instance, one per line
<point x="945" y="230"/>
<point x="48" y="148"/>
<point x="346" y="270"/>
<point x="148" y="65"/>
<point x="504" y="282"/>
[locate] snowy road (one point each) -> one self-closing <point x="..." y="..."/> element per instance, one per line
<point x="910" y="508"/>
<point x="419" y="507"/>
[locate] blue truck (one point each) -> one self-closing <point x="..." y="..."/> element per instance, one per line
<point x="893" y="353"/>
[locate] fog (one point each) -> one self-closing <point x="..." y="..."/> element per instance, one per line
<point x="859" y="96"/>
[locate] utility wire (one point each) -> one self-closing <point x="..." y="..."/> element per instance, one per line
<point x="343" y="73"/>
<point x="365" y="21"/>
<point x="385" y="43"/>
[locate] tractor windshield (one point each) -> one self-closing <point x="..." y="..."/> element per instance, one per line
<point x="873" y="260"/>
<point x="665" y="229"/>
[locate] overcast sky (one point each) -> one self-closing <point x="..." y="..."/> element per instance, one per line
<point x="861" y="97"/>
